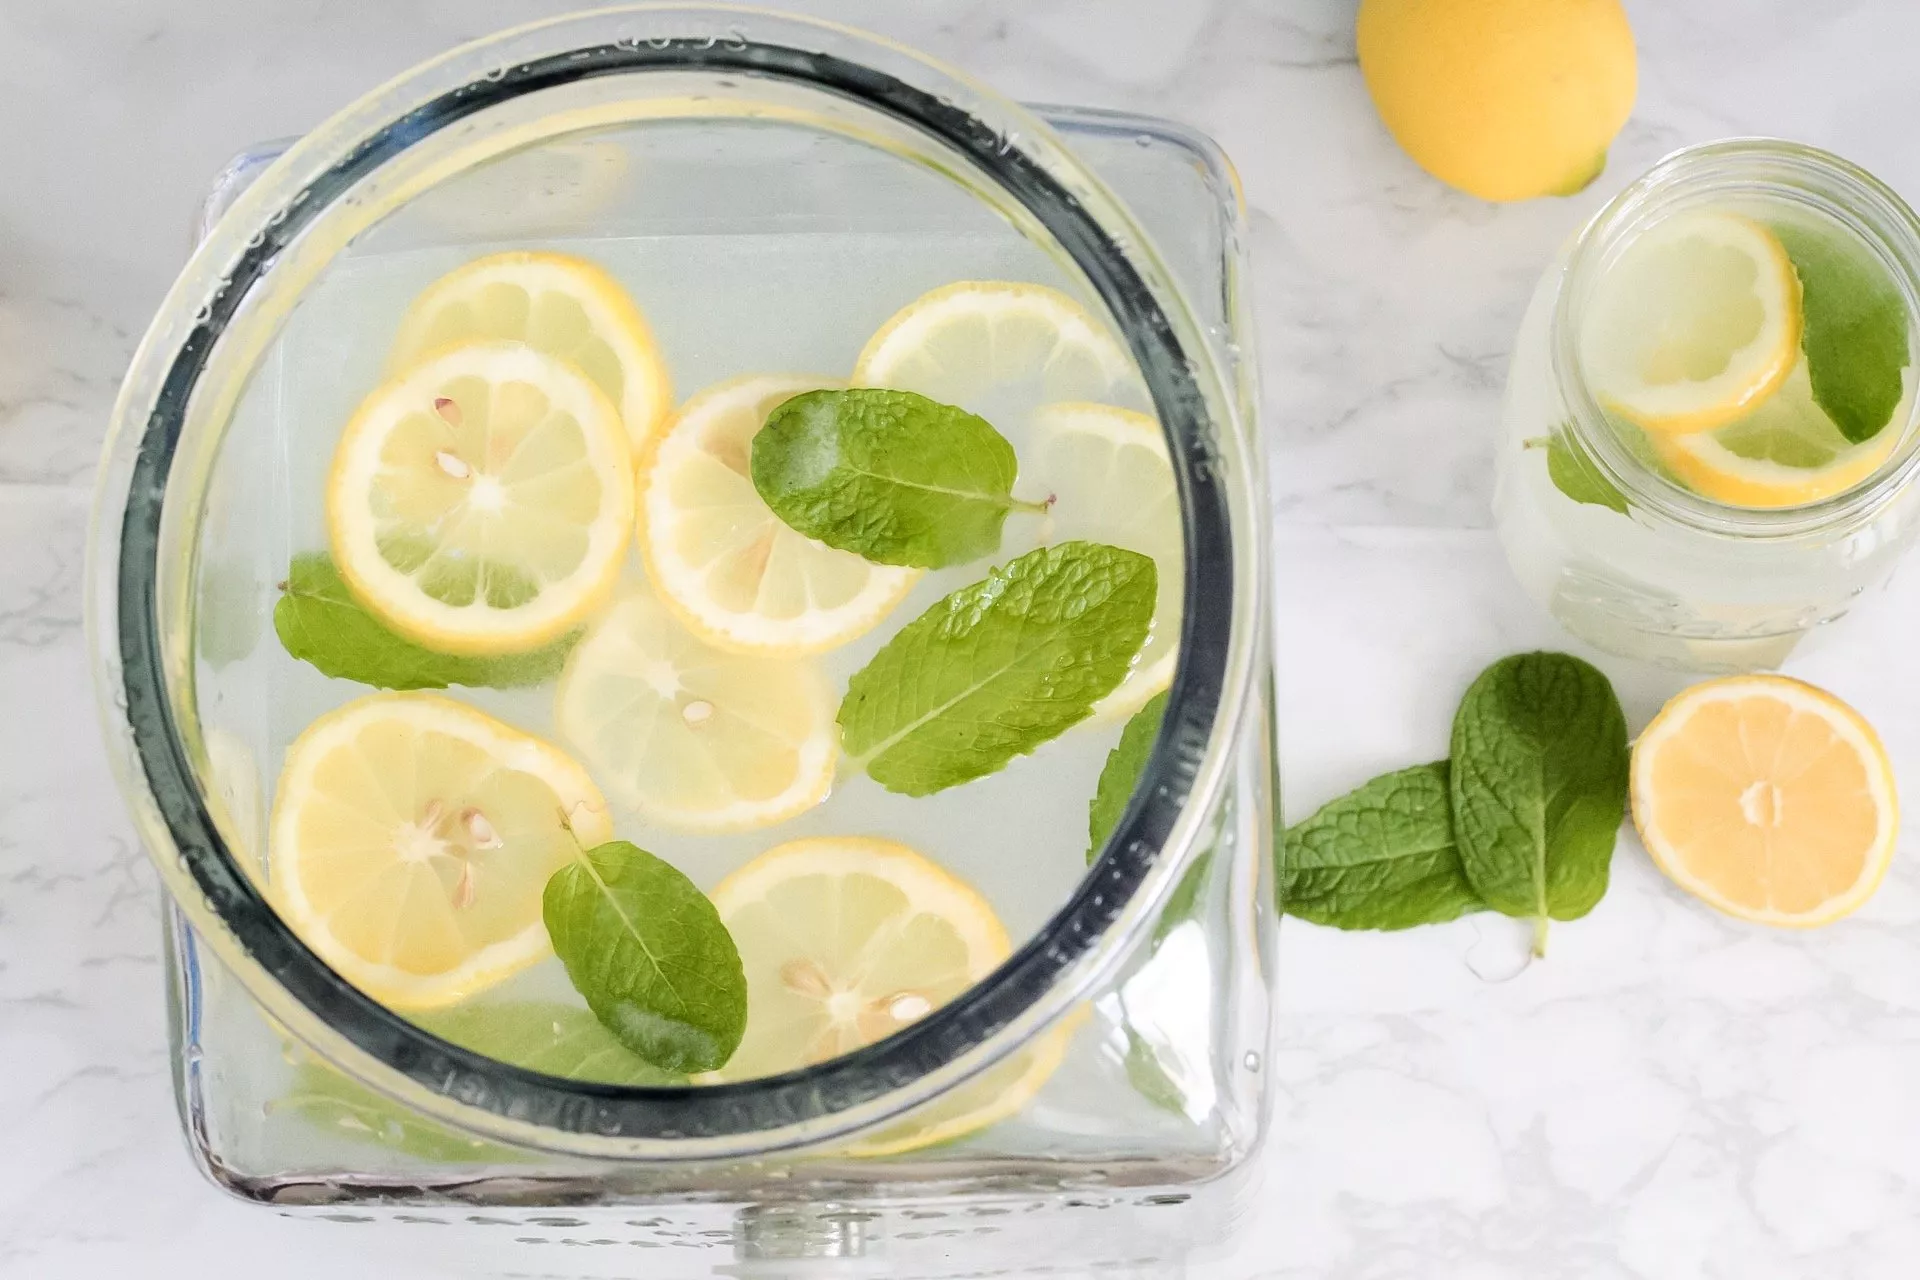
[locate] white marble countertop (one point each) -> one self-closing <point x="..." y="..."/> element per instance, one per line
<point x="1670" y="1096"/>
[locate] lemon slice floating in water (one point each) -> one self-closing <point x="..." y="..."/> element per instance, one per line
<point x="412" y="839"/>
<point x="482" y="502"/>
<point x="694" y="737"/>
<point x="994" y="346"/>
<point x="733" y="571"/>
<point x="845" y="940"/>
<point x="1108" y="472"/>
<point x="1694" y="324"/>
<point x="562" y="305"/>
<point x="1786" y="453"/>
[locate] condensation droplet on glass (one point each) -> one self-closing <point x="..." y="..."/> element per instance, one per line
<point x="1251" y="1062"/>
<point x="495" y="74"/>
<point x="204" y="314"/>
<point x="736" y="39"/>
<point x="659" y="42"/>
<point x="1142" y="140"/>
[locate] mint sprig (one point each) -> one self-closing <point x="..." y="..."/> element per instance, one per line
<point x="1853" y="330"/>
<point x="890" y="476"/>
<point x="1521" y="819"/>
<point x="1539" y="786"/>
<point x="650" y="955"/>
<point x="320" y="622"/>
<point x="998" y="668"/>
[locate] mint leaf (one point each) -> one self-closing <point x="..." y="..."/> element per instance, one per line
<point x="1539" y="785"/>
<point x="335" y="1104"/>
<point x="558" y="1039"/>
<point x="1380" y="857"/>
<point x="999" y="667"/>
<point x="1573" y="475"/>
<point x="891" y="476"/>
<point x="1121" y="773"/>
<point x="320" y="622"/>
<point x="648" y="951"/>
<point x="1853" y="330"/>
<point x="1118" y="778"/>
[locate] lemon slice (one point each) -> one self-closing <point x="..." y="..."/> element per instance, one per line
<point x="692" y="736"/>
<point x="845" y="940"/>
<point x="996" y="1094"/>
<point x="1786" y="453"/>
<point x="1694" y="324"/>
<point x="729" y="568"/>
<point x="562" y="305"/>
<point x="412" y="839"/>
<point x="1108" y="472"/>
<point x="999" y="346"/>
<point x="482" y="502"/>
<point x="1767" y="798"/>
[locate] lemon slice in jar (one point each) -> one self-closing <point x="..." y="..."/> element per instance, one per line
<point x="482" y="502"/>
<point x="559" y="304"/>
<point x="731" y="570"/>
<point x="1107" y="472"/>
<point x="412" y="839"/>
<point x="845" y="940"/>
<point x="694" y="737"/>
<point x="1786" y="453"/>
<point x="1695" y="323"/>
<point x="994" y="345"/>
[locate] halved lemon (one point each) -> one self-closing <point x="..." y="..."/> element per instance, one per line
<point x="562" y="305"/>
<point x="1108" y="472"/>
<point x="1767" y="798"/>
<point x="999" y="346"/>
<point x="412" y="839"/>
<point x="734" y="572"/>
<point x="482" y="502"/>
<point x="1695" y="323"/>
<point x="845" y="940"/>
<point x="694" y="737"/>
<point x="1785" y="453"/>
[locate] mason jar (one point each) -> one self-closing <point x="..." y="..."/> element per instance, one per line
<point x="1747" y="564"/>
<point x="1153" y="966"/>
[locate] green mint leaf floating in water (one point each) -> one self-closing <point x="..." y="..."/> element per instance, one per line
<point x="320" y="622"/>
<point x="334" y="1104"/>
<point x="999" y="667"/>
<point x="1854" y="329"/>
<point x="1380" y="857"/>
<point x="558" y="1039"/>
<point x="891" y="476"/>
<point x="1118" y="777"/>
<point x="1576" y="477"/>
<point x="1539" y="785"/>
<point x="1121" y="773"/>
<point x="647" y="950"/>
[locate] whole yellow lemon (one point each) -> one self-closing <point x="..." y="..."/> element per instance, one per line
<point x="1504" y="99"/>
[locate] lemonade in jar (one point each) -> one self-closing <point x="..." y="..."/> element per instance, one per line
<point x="1709" y="432"/>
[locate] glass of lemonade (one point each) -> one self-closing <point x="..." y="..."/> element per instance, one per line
<point x="681" y="601"/>
<point x="1709" y="432"/>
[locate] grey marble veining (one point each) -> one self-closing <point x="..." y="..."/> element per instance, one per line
<point x="1669" y="1096"/>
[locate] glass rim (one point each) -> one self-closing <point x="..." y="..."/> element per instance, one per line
<point x="1183" y="772"/>
<point x="1795" y="172"/>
